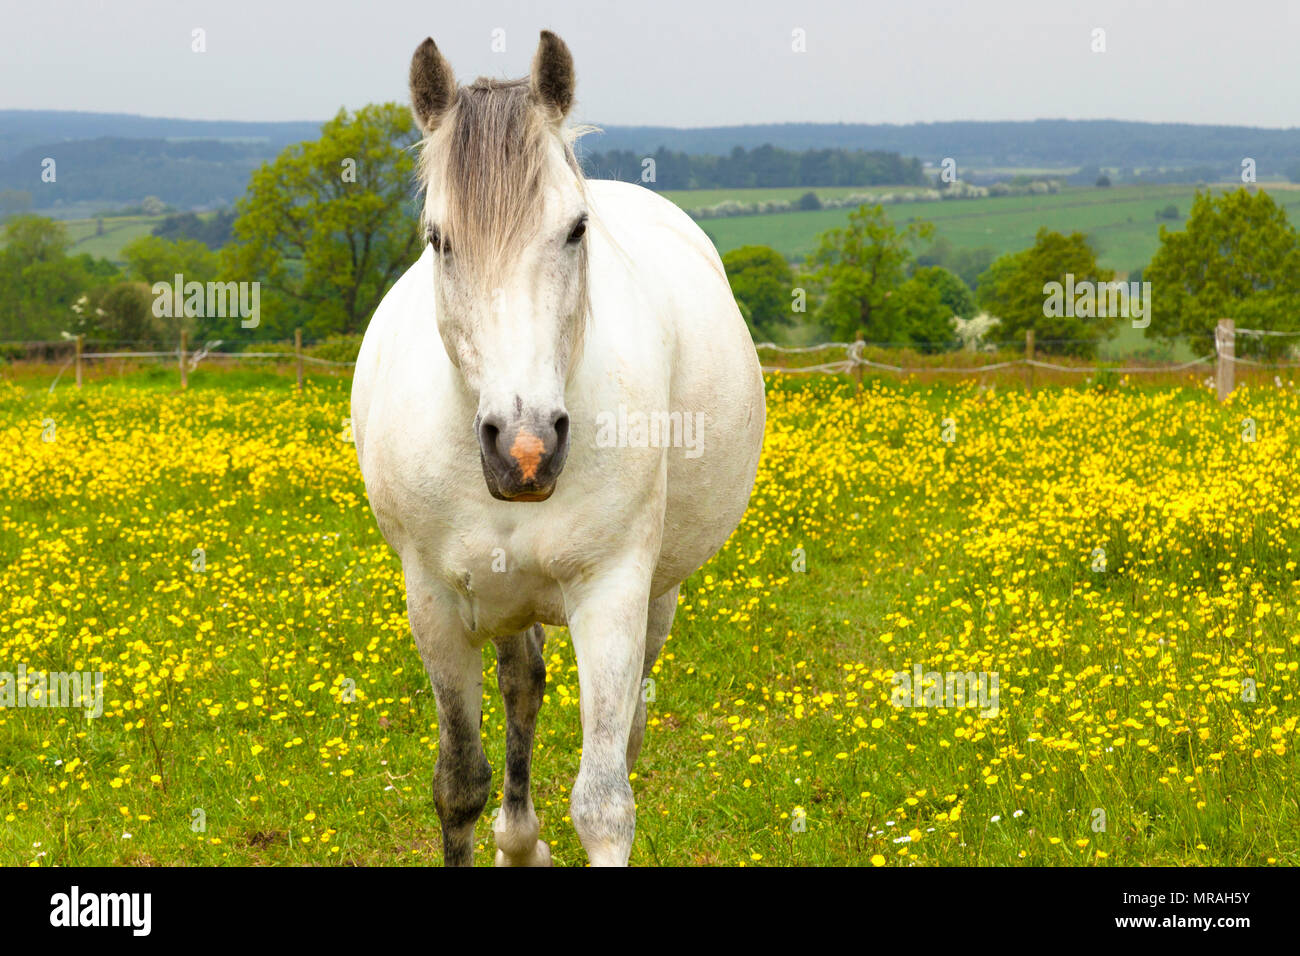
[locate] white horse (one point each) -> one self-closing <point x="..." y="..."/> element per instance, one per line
<point x="570" y="344"/>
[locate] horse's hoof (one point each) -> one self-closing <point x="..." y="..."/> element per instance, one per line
<point x="541" y="857"/>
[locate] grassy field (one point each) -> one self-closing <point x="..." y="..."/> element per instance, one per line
<point x="871" y="546"/>
<point x="118" y="231"/>
<point x="1121" y="221"/>
<point x="696" y="198"/>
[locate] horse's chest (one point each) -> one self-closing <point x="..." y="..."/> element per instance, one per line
<point x="499" y="600"/>
<point x="494" y="563"/>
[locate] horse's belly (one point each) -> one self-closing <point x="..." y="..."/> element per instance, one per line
<point x="708" y="494"/>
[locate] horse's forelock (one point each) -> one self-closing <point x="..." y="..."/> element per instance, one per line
<point x="489" y="155"/>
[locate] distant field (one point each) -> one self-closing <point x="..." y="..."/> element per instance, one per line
<point x="695" y="198"/>
<point x="1121" y="221"/>
<point x="974" y="172"/>
<point x="118" y="231"/>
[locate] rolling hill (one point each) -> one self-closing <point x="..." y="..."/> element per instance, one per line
<point x="120" y="158"/>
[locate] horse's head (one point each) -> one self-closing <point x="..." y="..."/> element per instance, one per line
<point x="506" y="215"/>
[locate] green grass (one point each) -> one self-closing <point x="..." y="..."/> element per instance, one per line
<point x="224" y="690"/>
<point x="1121" y="222"/>
<point x="118" y="231"/>
<point x="697" y="198"/>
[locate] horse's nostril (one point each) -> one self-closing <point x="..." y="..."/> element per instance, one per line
<point x="561" y="427"/>
<point x="488" y="434"/>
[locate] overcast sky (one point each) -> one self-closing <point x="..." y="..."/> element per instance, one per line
<point x="672" y="62"/>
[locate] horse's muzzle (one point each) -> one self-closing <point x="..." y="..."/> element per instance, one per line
<point x="522" y="459"/>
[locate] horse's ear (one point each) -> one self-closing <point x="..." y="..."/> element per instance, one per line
<point x="553" y="78"/>
<point x="433" y="85"/>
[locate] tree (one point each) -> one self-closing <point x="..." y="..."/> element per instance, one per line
<point x="968" y="264"/>
<point x="1016" y="290"/>
<point x="329" y="226"/>
<point x="956" y="296"/>
<point x="39" y="282"/>
<point x="857" y="268"/>
<point x="919" y="316"/>
<point x="1237" y="258"/>
<point x="214" y="231"/>
<point x="123" y="314"/>
<point x="809" y="202"/>
<point x="763" y="283"/>
<point x="1086" y="175"/>
<point x="151" y="260"/>
<point x="98" y="270"/>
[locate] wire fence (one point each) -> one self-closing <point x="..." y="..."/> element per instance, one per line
<point x="854" y="359"/>
<point x="187" y="359"/>
<point x="1223" y="358"/>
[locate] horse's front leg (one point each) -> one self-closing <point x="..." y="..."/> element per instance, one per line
<point x="607" y="620"/>
<point x="658" y="626"/>
<point x="462" y="776"/>
<point x="521" y="674"/>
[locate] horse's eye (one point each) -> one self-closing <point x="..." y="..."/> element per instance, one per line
<point x="439" y="244"/>
<point x="579" y="230"/>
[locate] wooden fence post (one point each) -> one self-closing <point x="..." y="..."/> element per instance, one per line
<point x="185" y="375"/>
<point x="80" y="340"/>
<point x="297" y="351"/>
<point x="1029" y="357"/>
<point x="1225" y="349"/>
<point x="857" y="365"/>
